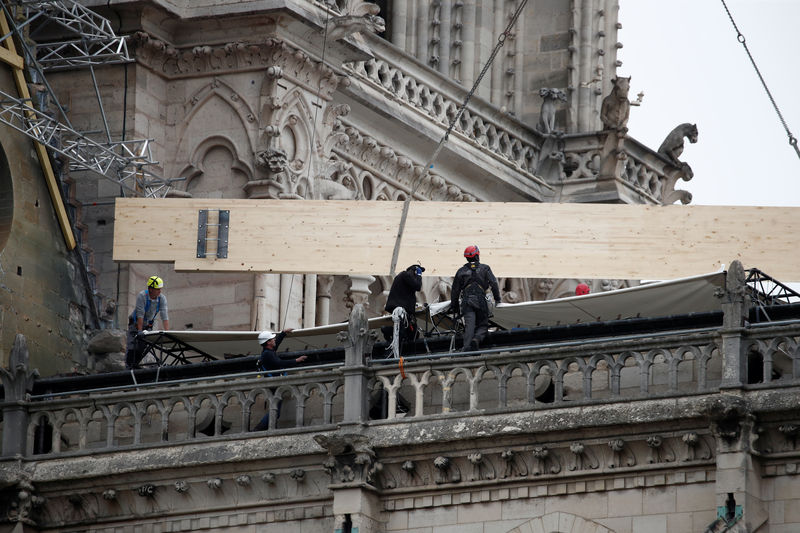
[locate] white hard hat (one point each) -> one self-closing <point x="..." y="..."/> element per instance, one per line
<point x="265" y="336"/>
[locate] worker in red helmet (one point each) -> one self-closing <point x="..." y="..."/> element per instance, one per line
<point x="469" y="296"/>
<point x="581" y="289"/>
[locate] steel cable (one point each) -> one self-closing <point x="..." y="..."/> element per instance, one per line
<point x="404" y="216"/>
<point x="740" y="37"/>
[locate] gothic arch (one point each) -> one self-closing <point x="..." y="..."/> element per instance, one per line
<point x="209" y="153"/>
<point x="294" y="125"/>
<point x="218" y="88"/>
<point x="560" y="522"/>
<point x="6" y="200"/>
<point x="217" y="104"/>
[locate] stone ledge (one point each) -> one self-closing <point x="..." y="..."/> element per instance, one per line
<point x="558" y="488"/>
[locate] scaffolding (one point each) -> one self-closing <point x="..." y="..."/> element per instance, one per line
<point x="85" y="40"/>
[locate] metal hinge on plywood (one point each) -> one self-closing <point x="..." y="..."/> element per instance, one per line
<point x="220" y="236"/>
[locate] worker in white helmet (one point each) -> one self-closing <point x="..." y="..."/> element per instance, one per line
<point x="270" y="360"/>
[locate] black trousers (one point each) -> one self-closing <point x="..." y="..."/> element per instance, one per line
<point x="476" y="325"/>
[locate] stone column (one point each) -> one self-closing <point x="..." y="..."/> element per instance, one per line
<point x="445" y="31"/>
<point x="399" y="28"/>
<point x="359" y="288"/>
<point x="310" y="301"/>
<point x="324" y="285"/>
<point x="354" y="468"/>
<point x="584" y="67"/>
<point x="357" y="508"/>
<point x="17" y="382"/>
<point x="287" y="286"/>
<point x="469" y="43"/>
<point x="355" y="378"/>
<point x="258" y="314"/>
<point x="735" y="309"/>
<point x="739" y="493"/>
<point x="421" y="25"/>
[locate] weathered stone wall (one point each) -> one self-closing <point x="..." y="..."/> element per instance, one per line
<point x="566" y="44"/>
<point x="661" y="503"/>
<point x="41" y="289"/>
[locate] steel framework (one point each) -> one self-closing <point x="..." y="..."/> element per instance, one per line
<point x="95" y="42"/>
<point x="123" y="162"/>
<point x="768" y="291"/>
<point x="170" y="351"/>
<point x="92" y="42"/>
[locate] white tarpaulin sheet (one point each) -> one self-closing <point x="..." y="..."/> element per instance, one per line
<point x="676" y="297"/>
<point x="687" y="295"/>
<point x="222" y="344"/>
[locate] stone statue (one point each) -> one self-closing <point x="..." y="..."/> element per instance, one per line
<point x="547" y="116"/>
<point x="672" y="147"/>
<point x="359" y="16"/>
<point x="616" y="108"/>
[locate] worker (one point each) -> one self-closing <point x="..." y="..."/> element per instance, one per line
<point x="582" y="289"/>
<point x="270" y="360"/>
<point x="400" y="303"/>
<point x="469" y="296"/>
<point x="150" y="303"/>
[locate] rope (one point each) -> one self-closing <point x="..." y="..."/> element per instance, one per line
<point x="740" y="37"/>
<point x="404" y="216"/>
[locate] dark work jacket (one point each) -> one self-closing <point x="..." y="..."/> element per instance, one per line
<point x="270" y="360"/>
<point x="470" y="284"/>
<point x="402" y="294"/>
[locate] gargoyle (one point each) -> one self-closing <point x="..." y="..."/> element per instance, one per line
<point x="547" y="116"/>
<point x="616" y="108"/>
<point x="358" y="17"/>
<point x="672" y="147"/>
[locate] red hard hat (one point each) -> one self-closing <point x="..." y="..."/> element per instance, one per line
<point x="581" y="289"/>
<point x="471" y="251"/>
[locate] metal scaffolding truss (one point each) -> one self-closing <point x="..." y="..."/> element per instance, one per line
<point x="123" y="162"/>
<point x="91" y="41"/>
<point x="768" y="291"/>
<point x="94" y="41"/>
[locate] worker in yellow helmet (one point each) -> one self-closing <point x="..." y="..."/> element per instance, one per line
<point x="150" y="303"/>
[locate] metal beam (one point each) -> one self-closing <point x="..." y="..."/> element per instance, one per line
<point x="93" y="41"/>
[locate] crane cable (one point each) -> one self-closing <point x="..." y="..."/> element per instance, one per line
<point x="743" y="41"/>
<point x="404" y="216"/>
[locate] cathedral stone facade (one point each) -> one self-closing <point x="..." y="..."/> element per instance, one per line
<point x="662" y="432"/>
<point x="301" y="100"/>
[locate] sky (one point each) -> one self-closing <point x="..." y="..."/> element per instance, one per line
<point x="685" y="57"/>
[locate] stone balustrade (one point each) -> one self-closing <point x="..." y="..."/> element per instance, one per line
<point x="556" y="375"/>
<point x="649" y="177"/>
<point x="438" y="99"/>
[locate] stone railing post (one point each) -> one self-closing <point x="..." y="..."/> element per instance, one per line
<point x="355" y="377"/>
<point x="735" y="309"/>
<point x="17" y="383"/>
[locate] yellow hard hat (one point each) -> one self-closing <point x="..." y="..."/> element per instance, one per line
<point x="154" y="282"/>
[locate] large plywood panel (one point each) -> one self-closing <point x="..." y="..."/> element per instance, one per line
<point x="516" y="239"/>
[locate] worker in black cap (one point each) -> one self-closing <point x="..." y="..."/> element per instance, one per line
<point x="401" y="303"/>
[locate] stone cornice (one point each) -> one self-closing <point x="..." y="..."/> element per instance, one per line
<point x="199" y="61"/>
<point x="396" y="170"/>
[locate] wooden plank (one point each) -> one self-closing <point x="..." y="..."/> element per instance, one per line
<point x="516" y="239"/>
<point x="11" y="59"/>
